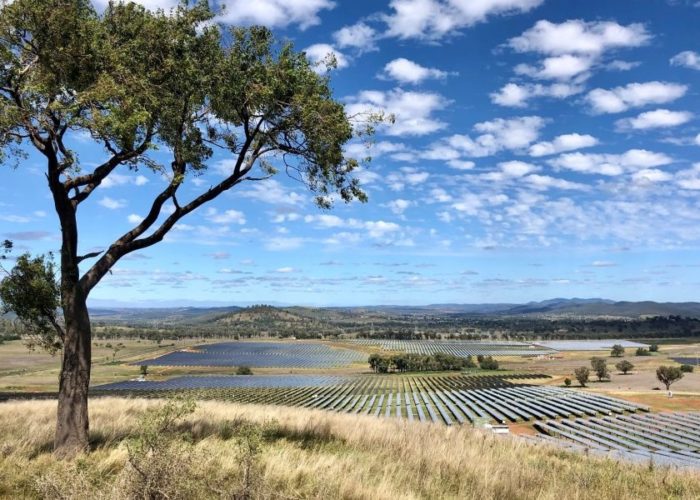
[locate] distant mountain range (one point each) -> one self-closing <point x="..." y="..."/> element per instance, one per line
<point x="548" y="308"/>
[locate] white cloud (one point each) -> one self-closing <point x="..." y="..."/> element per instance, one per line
<point x="517" y="95"/>
<point x="634" y="95"/>
<point x="397" y="180"/>
<point x="510" y="170"/>
<point x="379" y="229"/>
<point x="285" y="270"/>
<point x="399" y="205"/>
<point x="611" y="164"/>
<point x="274" y="13"/>
<point x="405" y="71"/>
<point x="134" y="219"/>
<point x="603" y="263"/>
<point x="358" y="36"/>
<point x="659" y="118"/>
<point x="579" y="37"/>
<point x="114" y="180"/>
<point x="562" y="143"/>
<point x="618" y="65"/>
<point x="325" y="220"/>
<point x="687" y="59"/>
<point x="497" y="135"/>
<point x="697" y="139"/>
<point x="546" y="182"/>
<point x="226" y="217"/>
<point x="272" y="192"/>
<point x="18" y="219"/>
<point x="321" y="55"/>
<point x="562" y="67"/>
<point x="651" y="175"/>
<point x="39" y="213"/>
<point x="111" y="203"/>
<point x="432" y="19"/>
<point x="413" y="111"/>
<point x="690" y="178"/>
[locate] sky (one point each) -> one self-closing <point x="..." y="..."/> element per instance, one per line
<point x="540" y="149"/>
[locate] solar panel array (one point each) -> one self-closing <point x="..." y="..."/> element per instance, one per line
<point x="456" y="348"/>
<point x="260" y="354"/>
<point x="664" y="438"/>
<point x="453" y="399"/>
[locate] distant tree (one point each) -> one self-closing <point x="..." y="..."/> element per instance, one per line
<point x="567" y="382"/>
<point x="144" y="370"/>
<point x="244" y="370"/>
<point x="617" y="351"/>
<point x="624" y="366"/>
<point x="374" y="361"/>
<point x="654" y="348"/>
<point x="488" y="363"/>
<point x="687" y="368"/>
<point x="582" y="375"/>
<point x="641" y="351"/>
<point x="667" y="375"/>
<point x="600" y="367"/>
<point x="133" y="81"/>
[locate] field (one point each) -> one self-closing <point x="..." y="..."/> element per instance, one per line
<point x="312" y="454"/>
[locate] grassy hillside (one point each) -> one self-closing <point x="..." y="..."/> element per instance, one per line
<point x="226" y="450"/>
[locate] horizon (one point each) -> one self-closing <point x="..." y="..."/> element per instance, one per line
<point x="540" y="150"/>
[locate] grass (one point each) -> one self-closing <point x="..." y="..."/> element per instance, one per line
<point x="312" y="454"/>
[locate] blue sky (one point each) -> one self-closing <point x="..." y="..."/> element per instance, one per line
<point x="541" y="149"/>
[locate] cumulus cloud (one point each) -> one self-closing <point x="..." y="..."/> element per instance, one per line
<point x="687" y="59"/>
<point x="357" y="36"/>
<point x="322" y="55"/>
<point x="413" y="111"/>
<point x="272" y="192"/>
<point x="610" y="164"/>
<point x="134" y="219"/>
<point x="498" y="135"/>
<point x="690" y="178"/>
<point x="111" y="203"/>
<point x="398" y="180"/>
<point x="650" y="176"/>
<point x="399" y="205"/>
<point x="114" y="180"/>
<point x="517" y="95"/>
<point x="579" y="37"/>
<point x="433" y="19"/>
<point x="405" y="71"/>
<point x="634" y="95"/>
<point x="659" y="118"/>
<point x="542" y="182"/>
<point x="562" y="67"/>
<point x="274" y="13"/>
<point x="225" y="217"/>
<point x="510" y="170"/>
<point x="562" y="143"/>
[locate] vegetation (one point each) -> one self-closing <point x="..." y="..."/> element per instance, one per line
<point x="297" y="453"/>
<point x="641" y="351"/>
<point x="582" y="374"/>
<point x="600" y="367"/>
<point x="617" y="351"/>
<point x="654" y="348"/>
<point x="244" y="370"/>
<point x="567" y="382"/>
<point x="624" y="366"/>
<point x="667" y="375"/>
<point x="143" y="369"/>
<point x="687" y="368"/>
<point x="408" y="362"/>
<point x="488" y="363"/>
<point x="133" y="81"/>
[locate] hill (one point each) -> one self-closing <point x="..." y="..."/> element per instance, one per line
<point x="225" y="450"/>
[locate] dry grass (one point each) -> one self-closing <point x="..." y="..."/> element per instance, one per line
<point x="311" y="454"/>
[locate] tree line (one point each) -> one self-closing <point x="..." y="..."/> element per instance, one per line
<point x="409" y="362"/>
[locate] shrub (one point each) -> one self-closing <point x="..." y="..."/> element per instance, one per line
<point x="687" y="368"/>
<point x="654" y="348"/>
<point x="582" y="375"/>
<point x="567" y="382"/>
<point x="641" y="351"/>
<point x="244" y="370"/>
<point x="624" y="366"/>
<point x="488" y="363"/>
<point x="617" y="351"/>
<point x="144" y="370"/>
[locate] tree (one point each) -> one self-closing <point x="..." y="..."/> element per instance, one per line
<point x="488" y="363"/>
<point x="624" y="366"/>
<point x="582" y="375"/>
<point x="244" y="370"/>
<point x="600" y="367"/>
<point x="687" y="368"/>
<point x="567" y="382"/>
<point x="641" y="351"/>
<point x="144" y="370"/>
<point x="654" y="348"/>
<point x="667" y="375"/>
<point x="617" y="351"/>
<point x="133" y="81"/>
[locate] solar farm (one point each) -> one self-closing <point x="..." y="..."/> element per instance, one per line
<point x="456" y="348"/>
<point x="566" y="417"/>
<point x="260" y="354"/>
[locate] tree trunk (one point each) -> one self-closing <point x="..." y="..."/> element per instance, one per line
<point x="72" y="419"/>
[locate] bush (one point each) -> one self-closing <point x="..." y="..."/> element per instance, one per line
<point x="582" y="375"/>
<point x="244" y="370"/>
<point x="488" y="363"/>
<point x="567" y="382"/>
<point x="144" y="370"/>
<point x="654" y="348"/>
<point x="687" y="368"/>
<point x="617" y="351"/>
<point x="641" y="351"/>
<point x="624" y="366"/>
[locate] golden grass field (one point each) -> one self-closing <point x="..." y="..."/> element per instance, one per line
<point x="313" y="454"/>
